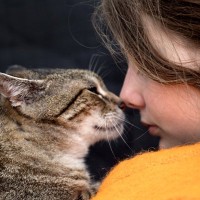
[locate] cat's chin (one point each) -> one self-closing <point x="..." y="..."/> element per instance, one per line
<point x="109" y="132"/>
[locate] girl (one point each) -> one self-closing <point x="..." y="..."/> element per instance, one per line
<point x="161" y="41"/>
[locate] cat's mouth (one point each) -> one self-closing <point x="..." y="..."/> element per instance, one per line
<point x="108" y="128"/>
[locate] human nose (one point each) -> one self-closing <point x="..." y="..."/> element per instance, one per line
<point x="132" y="92"/>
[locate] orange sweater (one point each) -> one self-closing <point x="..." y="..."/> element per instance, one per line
<point x="171" y="174"/>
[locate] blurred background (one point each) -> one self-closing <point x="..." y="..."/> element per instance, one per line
<point x="59" y="34"/>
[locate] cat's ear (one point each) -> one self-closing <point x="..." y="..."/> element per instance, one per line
<point x="15" y="68"/>
<point x="18" y="71"/>
<point x="19" y="90"/>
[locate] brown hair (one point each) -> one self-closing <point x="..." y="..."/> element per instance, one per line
<point x="119" y="23"/>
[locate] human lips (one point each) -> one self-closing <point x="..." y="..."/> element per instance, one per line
<point x="152" y="128"/>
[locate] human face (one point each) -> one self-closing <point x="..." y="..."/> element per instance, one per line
<point x="171" y="112"/>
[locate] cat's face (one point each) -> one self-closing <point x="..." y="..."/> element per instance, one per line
<point x="75" y="99"/>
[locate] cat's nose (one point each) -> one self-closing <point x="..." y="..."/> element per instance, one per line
<point x="122" y="105"/>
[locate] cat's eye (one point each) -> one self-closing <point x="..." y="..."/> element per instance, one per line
<point x="94" y="90"/>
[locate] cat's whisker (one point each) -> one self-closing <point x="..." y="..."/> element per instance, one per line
<point x="127" y="122"/>
<point x="112" y="115"/>
<point x="104" y="74"/>
<point x="109" y="142"/>
<point x="141" y="136"/>
<point x="103" y="70"/>
<point x="93" y="63"/>
<point x="116" y="128"/>
<point x="99" y="69"/>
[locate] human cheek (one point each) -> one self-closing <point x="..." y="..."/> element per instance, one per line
<point x="176" y="114"/>
<point x="159" y="109"/>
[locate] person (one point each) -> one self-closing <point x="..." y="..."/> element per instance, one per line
<point x="161" y="42"/>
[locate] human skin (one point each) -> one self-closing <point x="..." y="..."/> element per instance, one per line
<point x="171" y="112"/>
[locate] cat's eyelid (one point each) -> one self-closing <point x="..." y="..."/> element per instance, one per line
<point x="99" y="89"/>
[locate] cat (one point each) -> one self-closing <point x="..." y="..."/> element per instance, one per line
<point x="48" y="120"/>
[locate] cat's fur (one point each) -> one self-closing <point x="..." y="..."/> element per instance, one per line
<point x="48" y="120"/>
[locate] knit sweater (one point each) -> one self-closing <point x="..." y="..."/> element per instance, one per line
<point x="171" y="174"/>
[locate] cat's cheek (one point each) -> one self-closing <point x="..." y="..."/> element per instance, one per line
<point x="102" y="127"/>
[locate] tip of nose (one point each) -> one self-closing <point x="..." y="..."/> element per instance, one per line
<point x="122" y="105"/>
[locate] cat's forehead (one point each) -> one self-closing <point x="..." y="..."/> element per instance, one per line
<point x="58" y="77"/>
<point x="72" y="75"/>
<point x="43" y="73"/>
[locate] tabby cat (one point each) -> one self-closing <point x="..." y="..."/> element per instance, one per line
<point x="48" y="120"/>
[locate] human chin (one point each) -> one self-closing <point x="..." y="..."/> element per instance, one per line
<point x="163" y="144"/>
<point x="166" y="143"/>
